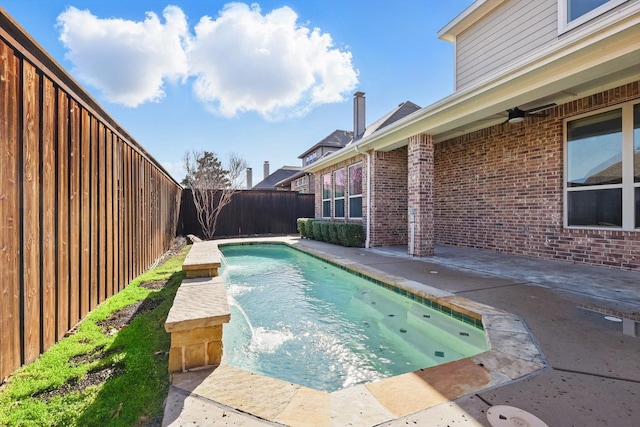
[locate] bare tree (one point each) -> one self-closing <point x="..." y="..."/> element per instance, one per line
<point x="212" y="186"/>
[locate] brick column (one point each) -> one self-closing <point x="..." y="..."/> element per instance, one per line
<point x="420" y="194"/>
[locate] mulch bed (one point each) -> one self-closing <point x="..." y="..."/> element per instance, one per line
<point x="154" y="285"/>
<point x="125" y="316"/>
<point x="95" y="377"/>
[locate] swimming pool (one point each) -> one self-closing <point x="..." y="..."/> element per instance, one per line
<point x="297" y="318"/>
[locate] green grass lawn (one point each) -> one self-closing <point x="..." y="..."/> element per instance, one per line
<point x="105" y="374"/>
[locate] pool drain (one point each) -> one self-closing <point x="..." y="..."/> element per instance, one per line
<point x="509" y="416"/>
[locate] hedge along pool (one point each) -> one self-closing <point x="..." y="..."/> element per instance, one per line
<point x="300" y="319"/>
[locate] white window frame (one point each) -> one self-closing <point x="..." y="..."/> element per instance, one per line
<point x="355" y="196"/>
<point x="628" y="185"/>
<point x="563" y="14"/>
<point x="328" y="199"/>
<point x="344" y="192"/>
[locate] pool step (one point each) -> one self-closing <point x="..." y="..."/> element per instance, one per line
<point x="203" y="260"/>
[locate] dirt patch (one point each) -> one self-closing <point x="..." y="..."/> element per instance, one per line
<point x="92" y="378"/>
<point x="125" y="316"/>
<point x="81" y="359"/>
<point x="155" y="285"/>
<point x="97" y="354"/>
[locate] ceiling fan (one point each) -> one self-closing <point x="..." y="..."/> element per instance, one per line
<point x="516" y="115"/>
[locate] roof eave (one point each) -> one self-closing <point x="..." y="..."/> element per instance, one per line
<point x="554" y="69"/>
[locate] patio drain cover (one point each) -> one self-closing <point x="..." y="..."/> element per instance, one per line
<point x="509" y="416"/>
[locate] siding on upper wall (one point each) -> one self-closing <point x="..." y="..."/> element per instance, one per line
<point x="510" y="32"/>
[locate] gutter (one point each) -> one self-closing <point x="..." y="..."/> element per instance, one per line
<point x="367" y="242"/>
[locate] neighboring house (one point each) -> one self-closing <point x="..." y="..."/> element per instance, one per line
<point x="302" y="182"/>
<point x="271" y="182"/>
<point x="535" y="153"/>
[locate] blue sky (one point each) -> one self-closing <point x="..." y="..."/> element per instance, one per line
<point x="264" y="80"/>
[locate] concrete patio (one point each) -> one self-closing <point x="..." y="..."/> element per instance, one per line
<point x="594" y="373"/>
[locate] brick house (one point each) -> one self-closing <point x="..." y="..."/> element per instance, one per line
<point x="536" y="152"/>
<point x="303" y="182"/>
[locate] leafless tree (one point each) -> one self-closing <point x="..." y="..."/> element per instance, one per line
<point x="212" y="185"/>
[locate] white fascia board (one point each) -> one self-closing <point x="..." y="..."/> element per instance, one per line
<point x="574" y="59"/>
<point x="472" y="14"/>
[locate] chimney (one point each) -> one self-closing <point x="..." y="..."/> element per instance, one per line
<point x="266" y="169"/>
<point x="358" y="115"/>
<point x="249" y="178"/>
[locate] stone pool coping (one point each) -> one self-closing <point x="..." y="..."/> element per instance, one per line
<point x="513" y="354"/>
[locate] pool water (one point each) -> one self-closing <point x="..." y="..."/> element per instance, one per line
<point x="303" y="320"/>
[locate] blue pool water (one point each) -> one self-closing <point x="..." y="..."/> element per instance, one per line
<point x="302" y="320"/>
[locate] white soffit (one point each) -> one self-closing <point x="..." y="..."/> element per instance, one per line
<point x="472" y="14"/>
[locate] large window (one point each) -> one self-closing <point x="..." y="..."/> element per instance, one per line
<point x="602" y="169"/>
<point x="338" y="193"/>
<point x="355" y="191"/>
<point x="326" y="196"/>
<point x="572" y="13"/>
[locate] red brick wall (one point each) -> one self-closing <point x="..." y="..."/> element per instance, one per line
<point x="420" y="194"/>
<point x="389" y="198"/>
<point x="501" y="189"/>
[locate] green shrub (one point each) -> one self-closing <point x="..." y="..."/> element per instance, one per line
<point x="317" y="233"/>
<point x="303" y="227"/>
<point x="333" y="233"/>
<point x="324" y="229"/>
<point x="338" y="233"/>
<point x="308" y="228"/>
<point x="350" y="234"/>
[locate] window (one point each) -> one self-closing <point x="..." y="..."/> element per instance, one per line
<point x="326" y="196"/>
<point x="300" y="182"/>
<point x="572" y="13"/>
<point x="338" y="182"/>
<point x="311" y="157"/>
<point x="355" y="191"/>
<point x="603" y="169"/>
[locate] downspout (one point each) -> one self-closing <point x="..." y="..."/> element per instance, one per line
<point x="368" y="231"/>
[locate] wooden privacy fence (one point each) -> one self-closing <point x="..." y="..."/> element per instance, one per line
<point x="83" y="208"/>
<point x="253" y="212"/>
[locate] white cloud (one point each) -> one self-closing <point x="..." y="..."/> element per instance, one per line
<point x="246" y="61"/>
<point x="242" y="61"/>
<point x="128" y="61"/>
<point x="175" y="169"/>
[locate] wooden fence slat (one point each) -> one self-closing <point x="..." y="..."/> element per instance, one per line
<point x="117" y="285"/>
<point x="102" y="222"/>
<point x="94" y="299"/>
<point x="85" y="211"/>
<point x="121" y="234"/>
<point x="74" y="214"/>
<point x="31" y="212"/>
<point x="62" y="255"/>
<point x="48" y="191"/>
<point x="10" y="222"/>
<point x="109" y="213"/>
